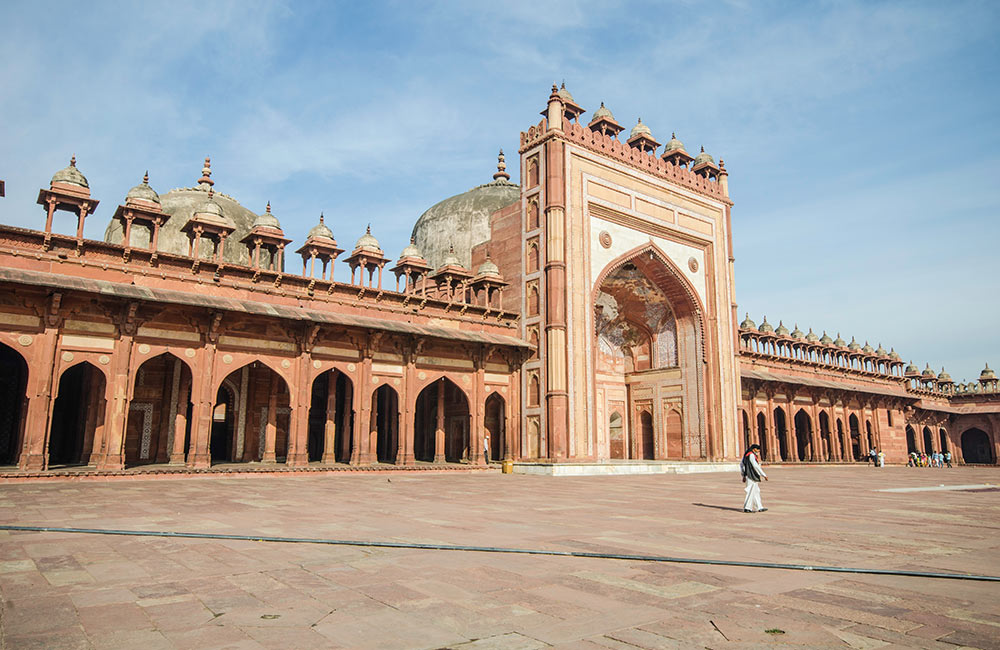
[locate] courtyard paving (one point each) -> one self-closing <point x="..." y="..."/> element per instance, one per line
<point x="62" y="590"/>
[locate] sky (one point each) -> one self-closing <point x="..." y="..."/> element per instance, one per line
<point x="861" y="138"/>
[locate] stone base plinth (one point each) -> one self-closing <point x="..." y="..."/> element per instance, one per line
<point x="624" y="467"/>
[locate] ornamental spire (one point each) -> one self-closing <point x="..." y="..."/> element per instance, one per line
<point x="501" y="168"/>
<point x="206" y="173"/>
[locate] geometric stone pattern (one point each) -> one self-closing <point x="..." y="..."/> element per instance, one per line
<point x="80" y="591"/>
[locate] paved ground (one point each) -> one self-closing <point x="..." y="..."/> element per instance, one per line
<point x="82" y="591"/>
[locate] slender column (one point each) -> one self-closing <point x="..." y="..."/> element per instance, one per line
<point x="356" y="426"/>
<point x="40" y="391"/>
<point x="180" y="423"/>
<point x="49" y="213"/>
<point x="817" y="438"/>
<point x="81" y="217"/>
<point x="439" y="456"/>
<point x="478" y="412"/>
<point x="300" y="396"/>
<point x="365" y="425"/>
<point x="90" y="427"/>
<point x="409" y="400"/>
<point x="118" y="401"/>
<point x="271" y="428"/>
<point x="330" y="426"/>
<point x="556" y="395"/>
<point x="774" y="448"/>
<point x="128" y="233"/>
<point x="199" y="453"/>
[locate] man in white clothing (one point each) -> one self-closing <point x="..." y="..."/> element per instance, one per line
<point x="752" y="473"/>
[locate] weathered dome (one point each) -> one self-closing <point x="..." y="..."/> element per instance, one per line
<point x="703" y="158"/>
<point x="71" y="175"/>
<point x="181" y="204"/>
<point x="797" y="333"/>
<point x="880" y="351"/>
<point x="894" y="355"/>
<point x="143" y="192"/>
<point x="928" y="373"/>
<point x="987" y="373"/>
<point x="367" y="242"/>
<point x="765" y="327"/>
<point x="811" y="336"/>
<point x="674" y="144"/>
<point x="411" y="250"/>
<point x="944" y="378"/>
<point x="602" y="113"/>
<point x="462" y="221"/>
<point x="267" y="220"/>
<point x="867" y="349"/>
<point x="748" y="324"/>
<point x="912" y="369"/>
<point x="488" y="268"/>
<point x="320" y="230"/>
<point x="451" y="259"/>
<point x="854" y="345"/>
<point x="782" y="330"/>
<point x="211" y="211"/>
<point x="840" y="343"/>
<point x="640" y="129"/>
<point x="825" y="339"/>
<point x="564" y="94"/>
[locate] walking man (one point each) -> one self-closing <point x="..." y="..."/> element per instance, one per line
<point x="486" y="447"/>
<point x="752" y="473"/>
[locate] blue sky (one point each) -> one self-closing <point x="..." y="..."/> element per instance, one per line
<point x="861" y="138"/>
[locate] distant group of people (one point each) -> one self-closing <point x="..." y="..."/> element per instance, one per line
<point x="876" y="457"/>
<point x="934" y="459"/>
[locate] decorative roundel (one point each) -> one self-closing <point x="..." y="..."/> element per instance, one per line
<point x="605" y="239"/>
<point x="67" y="356"/>
<point x="421" y="375"/>
<point x="395" y="382"/>
<point x="227" y="358"/>
<point x="503" y="389"/>
<point x="104" y="359"/>
<point x="374" y="380"/>
<point x="143" y="349"/>
<point x="286" y="364"/>
<point x="693" y="264"/>
<point x="466" y="380"/>
<point x="189" y="353"/>
<point x="317" y="364"/>
<point x="25" y="340"/>
<point x="351" y="367"/>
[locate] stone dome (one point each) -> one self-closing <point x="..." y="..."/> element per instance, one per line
<point x="987" y="373"/>
<point x="867" y="349"/>
<point x="71" y="175"/>
<point x="944" y="378"/>
<point x="928" y="373"/>
<point x="451" y="259"/>
<point x="748" y="324"/>
<point x="811" y="336"/>
<point x="765" y="327"/>
<point x="210" y="210"/>
<point x="411" y="250"/>
<point x="674" y="144"/>
<point x="488" y="268"/>
<point x="462" y="221"/>
<point x="912" y="369"/>
<point x="143" y="192"/>
<point x="782" y="330"/>
<point x="880" y="351"/>
<point x="320" y="230"/>
<point x="564" y="94"/>
<point x="640" y="129"/>
<point x="602" y="113"/>
<point x="367" y="242"/>
<point x="840" y="343"/>
<point x="267" y="220"/>
<point x="797" y="333"/>
<point x="825" y="339"/>
<point x="854" y="346"/>
<point x="703" y="158"/>
<point x="894" y="355"/>
<point x="182" y="204"/>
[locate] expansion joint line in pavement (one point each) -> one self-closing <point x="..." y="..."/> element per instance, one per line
<point x="497" y="549"/>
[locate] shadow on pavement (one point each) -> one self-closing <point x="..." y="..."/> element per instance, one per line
<point x="708" y="505"/>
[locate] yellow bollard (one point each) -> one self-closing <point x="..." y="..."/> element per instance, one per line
<point x="507" y="467"/>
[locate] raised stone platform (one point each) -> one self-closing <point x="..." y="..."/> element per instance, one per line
<point x="624" y="467"/>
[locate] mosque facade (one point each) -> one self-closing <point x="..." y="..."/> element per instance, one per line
<point x="586" y="314"/>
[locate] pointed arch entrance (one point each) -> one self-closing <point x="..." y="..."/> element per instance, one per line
<point x="331" y="418"/>
<point x="646" y="446"/>
<point x="911" y="440"/>
<point x="13" y="404"/>
<point x="803" y="435"/>
<point x="762" y="435"/>
<point x="824" y="435"/>
<point x="781" y="433"/>
<point x="251" y="415"/>
<point x="77" y="415"/>
<point x="385" y="423"/>
<point x="977" y="448"/>
<point x="441" y="423"/>
<point x="928" y="440"/>
<point x="495" y="421"/>
<point x="158" y="429"/>
<point x="855" y="428"/>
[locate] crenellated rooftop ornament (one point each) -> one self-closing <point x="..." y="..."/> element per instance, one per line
<point x="368" y="256"/>
<point x="748" y="324"/>
<point x="797" y="333"/>
<point x="811" y="336"/>
<point x="894" y="355"/>
<point x="704" y="165"/>
<point x="675" y="154"/>
<point x="765" y="327"/>
<point x="604" y="122"/>
<point x="928" y="373"/>
<point x="782" y="330"/>
<point x="867" y="349"/>
<point x="912" y="370"/>
<point x="319" y="245"/>
<point x="840" y="343"/>
<point x="825" y="339"/>
<point x="987" y="374"/>
<point x="854" y="346"/>
<point x="641" y="138"/>
<point x="880" y="351"/>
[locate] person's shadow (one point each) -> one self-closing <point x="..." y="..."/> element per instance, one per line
<point x="708" y="505"/>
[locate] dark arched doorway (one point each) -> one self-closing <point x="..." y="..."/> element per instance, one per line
<point x="826" y="453"/>
<point x="803" y="434"/>
<point x="77" y="415"/>
<point x="251" y="415"/>
<point x="870" y="434"/>
<point x="159" y="412"/>
<point x="495" y="423"/>
<point x="441" y="423"/>
<point x="781" y="433"/>
<point x="13" y="403"/>
<point x="762" y="434"/>
<point x="646" y="436"/>
<point x="944" y="439"/>
<point x="911" y="440"/>
<point x="746" y="430"/>
<point x="385" y="423"/>
<point x="977" y="449"/>
<point x="842" y="442"/>
<point x="928" y="440"/>
<point x="855" y="427"/>
<point x="331" y="418"/>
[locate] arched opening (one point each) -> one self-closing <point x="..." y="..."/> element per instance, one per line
<point x="441" y="423"/>
<point x="911" y="440"/>
<point x="494" y="419"/>
<point x="746" y="430"/>
<point x="943" y="435"/>
<point x="331" y="418"/>
<point x="77" y="415"/>
<point x="533" y="389"/>
<point x="841" y="441"/>
<point x="533" y="214"/>
<point x="928" y="440"/>
<point x="533" y="299"/>
<point x="824" y="435"/>
<point x="675" y="434"/>
<point x="616" y="436"/>
<point x="977" y="449"/>
<point x="854" y="426"/>
<point x="803" y="435"/>
<point x="532" y="264"/>
<point x="646" y="435"/>
<point x="871" y="436"/>
<point x="159" y="418"/>
<point x="762" y="434"/>
<point x="250" y="419"/>
<point x="13" y="404"/>
<point x="385" y="423"/>
<point x="781" y="433"/>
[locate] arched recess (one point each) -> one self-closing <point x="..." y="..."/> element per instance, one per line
<point x="77" y="415"/>
<point x="674" y="433"/>
<point x="870" y="434"/>
<point x="616" y="435"/>
<point x="159" y="412"/>
<point x="495" y="421"/>
<point x="331" y="418"/>
<point x="746" y="430"/>
<point x="13" y="404"/>
<point x="762" y="434"/>
<point x="842" y="441"/>
<point x="854" y="426"/>
<point x="648" y="316"/>
<point x="803" y="435"/>
<point x="911" y="440"/>
<point x="824" y="436"/>
<point x="646" y="446"/>
<point x="943" y="435"/>
<point x="441" y="423"/>
<point x="385" y="423"/>
<point x="781" y="433"/>
<point x="251" y="415"/>
<point x="977" y="448"/>
<point x="928" y="440"/>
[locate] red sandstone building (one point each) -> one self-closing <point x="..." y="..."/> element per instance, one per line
<point x="587" y="315"/>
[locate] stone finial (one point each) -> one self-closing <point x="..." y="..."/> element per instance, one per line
<point x="206" y="173"/>
<point x="268" y="208"/>
<point x="145" y="177"/>
<point x="320" y="216"/>
<point x="72" y="161"/>
<point x="501" y="168"/>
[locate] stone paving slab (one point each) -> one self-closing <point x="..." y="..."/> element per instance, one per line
<point x="60" y="590"/>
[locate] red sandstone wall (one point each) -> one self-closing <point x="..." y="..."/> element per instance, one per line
<point x="505" y="250"/>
